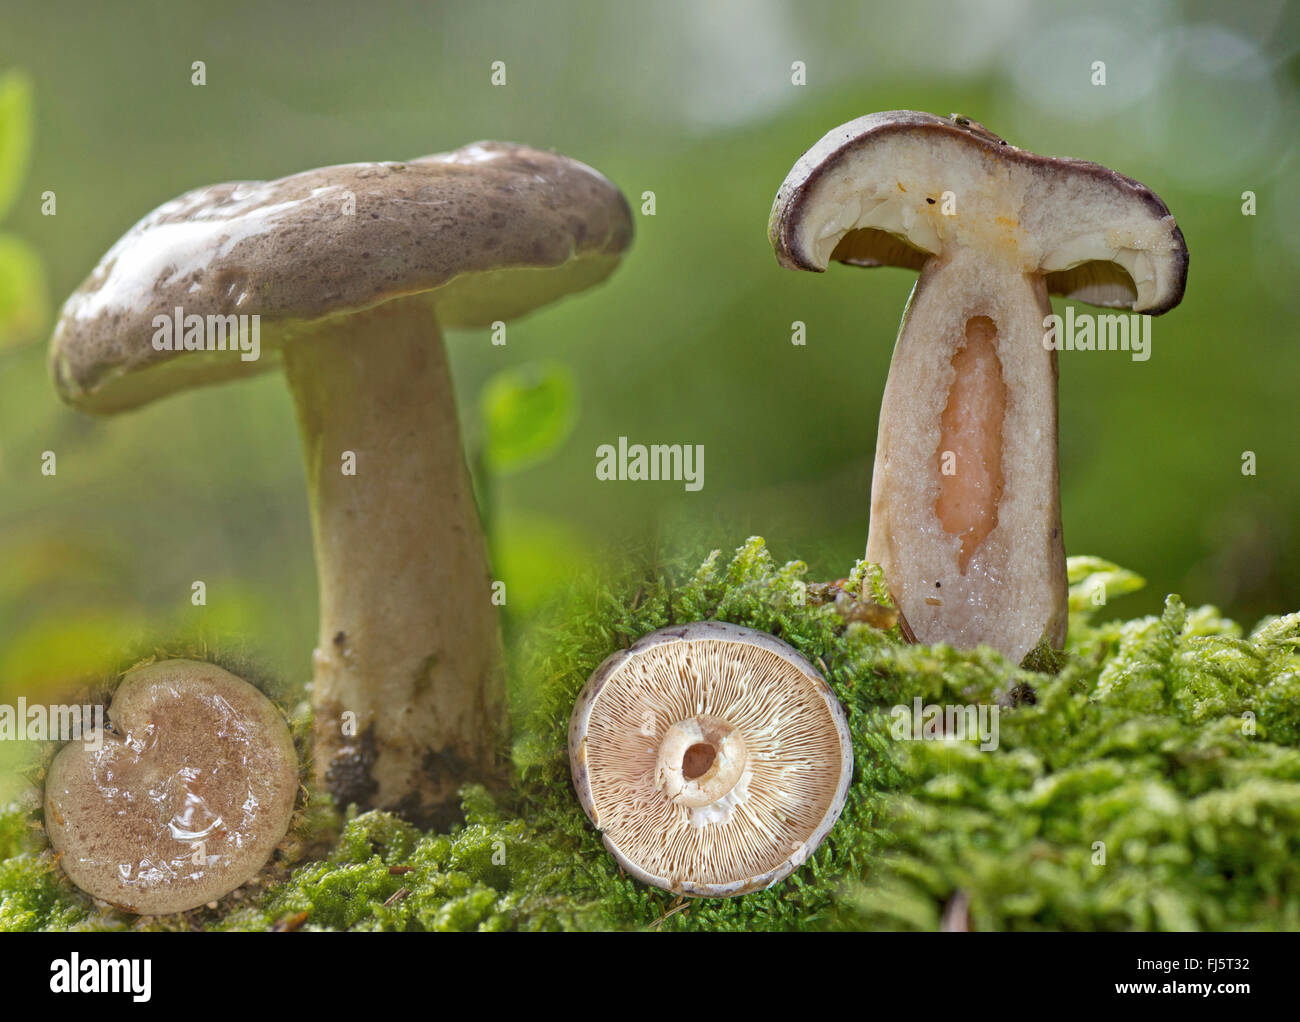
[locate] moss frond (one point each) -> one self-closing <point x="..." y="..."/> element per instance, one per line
<point x="1146" y="778"/>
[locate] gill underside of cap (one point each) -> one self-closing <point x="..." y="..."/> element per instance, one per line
<point x="787" y="794"/>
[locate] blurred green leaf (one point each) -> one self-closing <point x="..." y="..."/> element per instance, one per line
<point x="23" y="308"/>
<point x="15" y="135"/>
<point x="528" y="412"/>
<point x="537" y="556"/>
<point x="66" y="648"/>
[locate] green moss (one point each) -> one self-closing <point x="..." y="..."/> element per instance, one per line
<point x="34" y="893"/>
<point x="1147" y="778"/>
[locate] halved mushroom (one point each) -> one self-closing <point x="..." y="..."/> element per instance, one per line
<point x="965" y="497"/>
<point x="354" y="270"/>
<point x="183" y="800"/>
<point x="713" y="758"/>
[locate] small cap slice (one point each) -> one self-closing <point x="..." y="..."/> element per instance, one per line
<point x="183" y="800"/>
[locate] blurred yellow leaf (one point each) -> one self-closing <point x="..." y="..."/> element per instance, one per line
<point x="15" y="135"/>
<point x="536" y="556"/>
<point x="23" y="304"/>
<point x="66" y="649"/>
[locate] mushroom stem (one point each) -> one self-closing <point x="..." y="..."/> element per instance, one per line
<point x="408" y="693"/>
<point x="965" y="496"/>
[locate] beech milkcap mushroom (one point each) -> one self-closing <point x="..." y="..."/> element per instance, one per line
<point x="713" y="758"/>
<point x="183" y="800"/>
<point x="965" y="497"/>
<point x="353" y="270"/>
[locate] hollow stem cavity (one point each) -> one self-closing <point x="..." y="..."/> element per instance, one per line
<point x="700" y="761"/>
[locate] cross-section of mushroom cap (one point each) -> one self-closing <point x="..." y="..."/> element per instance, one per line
<point x="488" y="232"/>
<point x="713" y="758"/>
<point x="896" y="188"/>
<point x="183" y="800"/>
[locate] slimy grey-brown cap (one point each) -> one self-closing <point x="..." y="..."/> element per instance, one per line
<point x="713" y="758"/>
<point x="184" y="800"/>
<point x="871" y="193"/>
<point x="489" y="232"/>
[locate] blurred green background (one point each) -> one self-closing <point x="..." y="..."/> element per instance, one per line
<point x="689" y="342"/>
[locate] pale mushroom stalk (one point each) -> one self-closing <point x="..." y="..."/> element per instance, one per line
<point x="405" y="644"/>
<point x="968" y="429"/>
<point x="965" y="496"/>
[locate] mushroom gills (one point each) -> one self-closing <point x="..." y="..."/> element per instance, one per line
<point x="965" y="513"/>
<point x="713" y="758"/>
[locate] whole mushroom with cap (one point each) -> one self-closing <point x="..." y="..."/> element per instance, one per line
<point x="183" y="799"/>
<point x="965" y="496"/>
<point x="713" y="758"/>
<point x="354" y="271"/>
